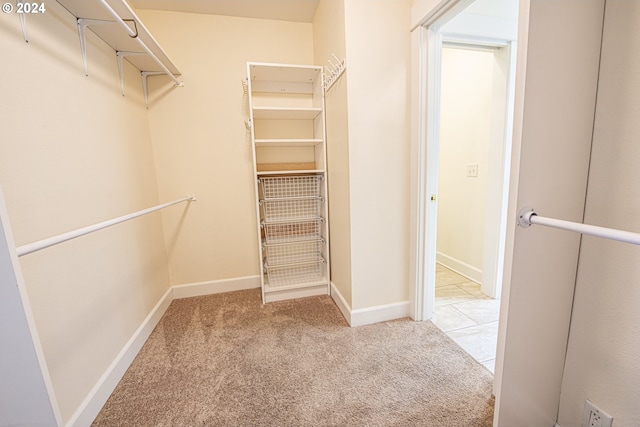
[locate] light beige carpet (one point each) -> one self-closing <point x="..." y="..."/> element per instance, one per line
<point x="228" y="360"/>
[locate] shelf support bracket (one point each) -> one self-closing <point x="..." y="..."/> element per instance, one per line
<point x="144" y="75"/>
<point x="134" y="35"/>
<point x="120" y="55"/>
<point x="83" y="23"/>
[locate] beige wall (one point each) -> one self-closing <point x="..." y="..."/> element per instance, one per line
<point x="214" y="158"/>
<point x="201" y="145"/>
<point x="552" y="134"/>
<point x="328" y="39"/>
<point x="604" y="339"/>
<point x="465" y="137"/>
<point x="74" y="152"/>
<point x="378" y="61"/>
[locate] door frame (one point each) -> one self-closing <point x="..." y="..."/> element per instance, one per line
<point x="499" y="185"/>
<point x="426" y="51"/>
<point x="427" y="41"/>
<point x="427" y="17"/>
<point x="499" y="157"/>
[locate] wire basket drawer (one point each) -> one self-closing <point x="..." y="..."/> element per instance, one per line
<point x="295" y="274"/>
<point x="288" y="232"/>
<point x="280" y="187"/>
<point x="297" y="209"/>
<point x="293" y="253"/>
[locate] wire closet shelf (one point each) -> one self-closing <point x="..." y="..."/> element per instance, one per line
<point x="296" y="274"/>
<point x="290" y="198"/>
<point x="290" y="232"/>
<point x="292" y="226"/>
<point x="293" y="253"/>
<point x="290" y="186"/>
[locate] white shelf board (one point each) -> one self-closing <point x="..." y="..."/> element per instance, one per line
<point x="283" y="113"/>
<point x="287" y="142"/>
<point x="262" y="72"/>
<point x="116" y="37"/>
<point x="281" y="87"/>
<point x="290" y="172"/>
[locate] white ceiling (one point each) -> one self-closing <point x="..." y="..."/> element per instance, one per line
<point x="281" y="10"/>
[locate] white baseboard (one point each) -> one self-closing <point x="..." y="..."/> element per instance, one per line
<point x="460" y="267"/>
<point x="215" y="287"/>
<point x="369" y="315"/>
<point x="379" y="313"/>
<point x="97" y="397"/>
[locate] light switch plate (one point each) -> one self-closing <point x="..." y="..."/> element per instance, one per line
<point x="472" y="170"/>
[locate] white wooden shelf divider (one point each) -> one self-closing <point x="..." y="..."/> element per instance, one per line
<point x="287" y="142"/>
<point x="283" y="113"/>
<point x="290" y="172"/>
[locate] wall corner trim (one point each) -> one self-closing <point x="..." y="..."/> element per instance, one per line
<point x="342" y="304"/>
<point x="215" y="286"/>
<point x="98" y="396"/>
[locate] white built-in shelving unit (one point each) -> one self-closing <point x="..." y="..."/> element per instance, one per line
<point x="287" y="123"/>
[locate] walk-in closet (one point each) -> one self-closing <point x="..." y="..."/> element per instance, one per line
<point x="180" y="173"/>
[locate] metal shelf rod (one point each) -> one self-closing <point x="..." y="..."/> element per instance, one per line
<point x="51" y="241"/>
<point x="528" y="216"/>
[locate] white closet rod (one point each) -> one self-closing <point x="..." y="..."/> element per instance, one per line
<point x="527" y="216"/>
<point x="45" y="243"/>
<point x="134" y="35"/>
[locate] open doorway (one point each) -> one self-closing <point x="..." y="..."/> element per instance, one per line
<point x="472" y="171"/>
<point x="477" y="23"/>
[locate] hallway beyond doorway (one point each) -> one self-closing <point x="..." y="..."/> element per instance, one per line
<point x="466" y="315"/>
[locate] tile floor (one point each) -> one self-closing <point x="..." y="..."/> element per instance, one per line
<point x="468" y="316"/>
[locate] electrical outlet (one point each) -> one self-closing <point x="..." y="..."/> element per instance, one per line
<point x="472" y="170"/>
<point x="595" y="417"/>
